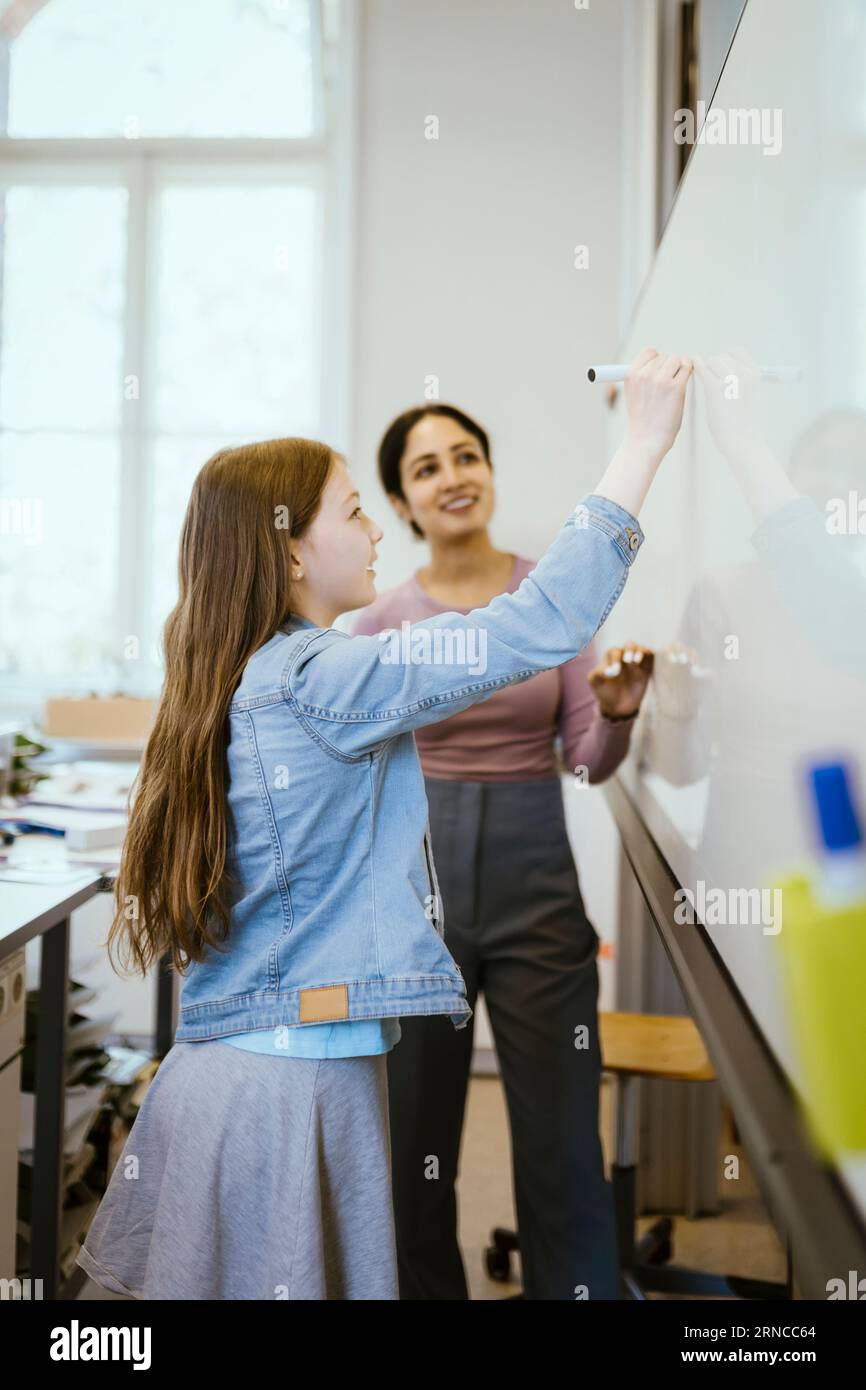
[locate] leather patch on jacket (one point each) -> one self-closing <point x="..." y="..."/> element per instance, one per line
<point x="323" y="1003"/>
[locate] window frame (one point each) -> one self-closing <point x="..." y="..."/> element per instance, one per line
<point x="325" y="160"/>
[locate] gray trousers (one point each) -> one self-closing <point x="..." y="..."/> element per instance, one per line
<point x="516" y="925"/>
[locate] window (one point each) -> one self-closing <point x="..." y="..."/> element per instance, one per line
<point x="155" y="67"/>
<point x="174" y="235"/>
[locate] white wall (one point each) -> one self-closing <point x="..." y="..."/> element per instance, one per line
<point x="465" y="244"/>
<point x="465" y="267"/>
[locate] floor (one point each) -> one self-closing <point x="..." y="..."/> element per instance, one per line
<point x="739" y="1240"/>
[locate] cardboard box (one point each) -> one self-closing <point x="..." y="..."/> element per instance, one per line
<point x="120" y="719"/>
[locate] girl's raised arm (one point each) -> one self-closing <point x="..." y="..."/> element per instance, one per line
<point x="353" y="693"/>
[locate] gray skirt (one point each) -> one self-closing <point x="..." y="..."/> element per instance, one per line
<point x="246" y="1176"/>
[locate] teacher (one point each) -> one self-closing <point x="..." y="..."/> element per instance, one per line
<point x="514" y="915"/>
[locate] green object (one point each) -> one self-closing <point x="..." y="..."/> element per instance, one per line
<point x="823" y="952"/>
<point x="22" y="777"/>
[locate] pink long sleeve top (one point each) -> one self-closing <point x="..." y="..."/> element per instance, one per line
<point x="511" y="736"/>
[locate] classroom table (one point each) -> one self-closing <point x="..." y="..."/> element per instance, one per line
<point x="28" y="910"/>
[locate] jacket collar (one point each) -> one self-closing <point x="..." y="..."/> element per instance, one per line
<point x="295" y="620"/>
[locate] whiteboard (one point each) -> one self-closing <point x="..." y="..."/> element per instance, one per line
<point x="762" y="263"/>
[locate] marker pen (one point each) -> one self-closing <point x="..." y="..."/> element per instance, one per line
<point x="618" y="371"/>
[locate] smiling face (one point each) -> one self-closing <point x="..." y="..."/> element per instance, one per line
<point x="446" y="479"/>
<point x="336" y="554"/>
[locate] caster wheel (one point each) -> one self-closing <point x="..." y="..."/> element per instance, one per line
<point x="662" y="1254"/>
<point x="498" y="1264"/>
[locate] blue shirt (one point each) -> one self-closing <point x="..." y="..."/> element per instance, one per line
<point x="347" y="1038"/>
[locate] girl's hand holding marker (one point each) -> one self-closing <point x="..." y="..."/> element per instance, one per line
<point x="655" y="393"/>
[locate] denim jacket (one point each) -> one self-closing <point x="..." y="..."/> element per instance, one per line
<point x="335" y="904"/>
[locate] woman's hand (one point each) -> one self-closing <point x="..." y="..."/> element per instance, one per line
<point x="655" y="394"/>
<point x="620" y="680"/>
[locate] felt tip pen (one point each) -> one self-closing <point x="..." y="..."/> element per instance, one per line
<point x="618" y="371"/>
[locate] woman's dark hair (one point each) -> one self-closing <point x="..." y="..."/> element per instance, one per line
<point x="393" y="445"/>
